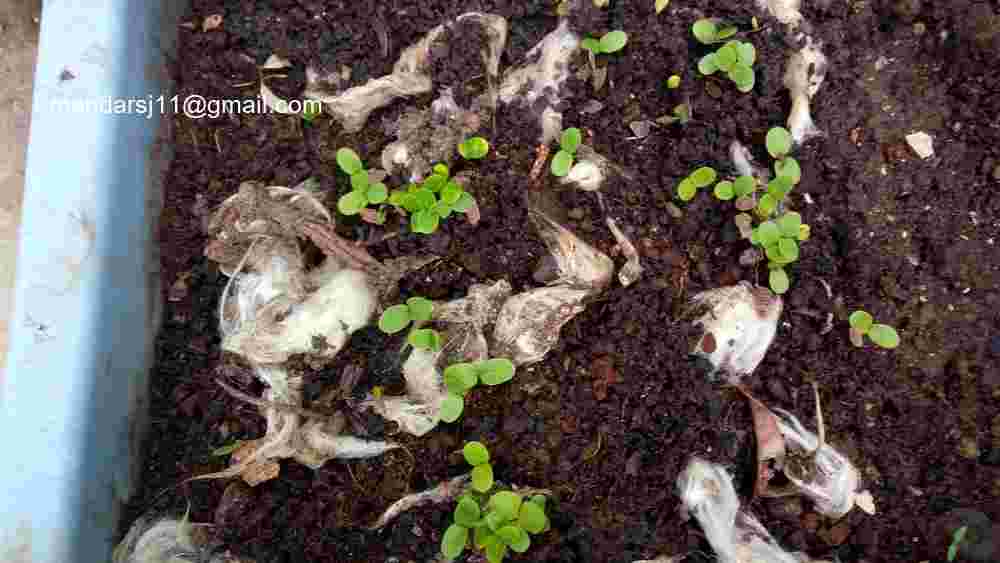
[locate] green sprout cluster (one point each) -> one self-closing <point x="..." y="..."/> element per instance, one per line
<point x="569" y="142"/>
<point x="462" y="377"/>
<point x="863" y="324"/>
<point x="610" y="42"/>
<point x="311" y="112"/>
<point x="416" y="310"/>
<point x="432" y="200"/>
<point x="363" y="193"/>
<point x="499" y="522"/>
<point x="778" y="237"/>
<point x="786" y="171"/>
<point x="780" y="240"/>
<point x="735" y="58"/>
<point x="427" y="202"/>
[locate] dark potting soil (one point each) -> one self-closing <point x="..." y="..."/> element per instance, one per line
<point x="615" y="411"/>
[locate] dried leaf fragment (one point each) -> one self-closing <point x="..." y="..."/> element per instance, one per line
<point x="211" y="22"/>
<point x="770" y="443"/>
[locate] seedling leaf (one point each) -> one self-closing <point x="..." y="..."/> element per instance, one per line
<point x="352" y="202"/>
<point x="703" y="176"/>
<point x="348" y="161"/>
<point x="359" y="181"/>
<point x="506" y="504"/>
<point x="482" y="477"/>
<point x="788" y="167"/>
<point x="747" y="53"/>
<point x="495" y="552"/>
<point x="767" y="204"/>
<point x="539" y="500"/>
<point x="424" y="338"/>
<point x="779" y="281"/>
<point x="435" y="182"/>
<point x="465" y="202"/>
<point x="727" y="56"/>
<point x="425" y="221"/>
<point x="673" y="82"/>
<point x="779" y="187"/>
<point x="459" y="378"/>
<point x="532" y="517"/>
<point x="394" y="319"/>
<point x="705" y="31"/>
<point x="724" y="191"/>
<point x="441" y="169"/>
<point x="884" y="336"/>
<point x="779" y="142"/>
<point x="421" y="308"/>
<point x="726" y="32"/>
<point x="476" y="454"/>
<point x="452" y="407"/>
<point x="515" y="537"/>
<point x="861" y="321"/>
<point x="591" y="44"/>
<point x="451" y="193"/>
<point x="467" y="512"/>
<point x="474" y="148"/>
<point x="686" y="190"/>
<point x="377" y="193"/>
<point x="743" y="185"/>
<point x="561" y="164"/>
<point x="789" y="249"/>
<point x="768" y="233"/>
<point x="227" y="449"/>
<point x="454" y="540"/>
<point x="613" y="41"/>
<point x="743" y="76"/>
<point x="789" y="224"/>
<point x="708" y="64"/>
<point x="496" y="371"/>
<point x="423" y="199"/>
<point x="570" y="140"/>
<point x="804" y="232"/>
<point x="956" y="542"/>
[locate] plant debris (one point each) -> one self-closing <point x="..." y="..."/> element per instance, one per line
<point x="738" y="327"/>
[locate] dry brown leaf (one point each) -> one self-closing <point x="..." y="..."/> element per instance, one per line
<point x="770" y="443"/>
<point x="261" y="472"/>
<point x="211" y="22"/>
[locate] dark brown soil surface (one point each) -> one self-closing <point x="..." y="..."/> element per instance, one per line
<point x="612" y="414"/>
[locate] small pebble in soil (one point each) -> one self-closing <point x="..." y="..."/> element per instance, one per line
<point x="968" y="448"/>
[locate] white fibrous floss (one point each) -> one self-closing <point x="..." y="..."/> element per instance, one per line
<point x="834" y="486"/>
<point x="167" y="540"/>
<point x="804" y="74"/>
<point x="739" y="326"/>
<point x="707" y="494"/>
<point x="542" y="79"/>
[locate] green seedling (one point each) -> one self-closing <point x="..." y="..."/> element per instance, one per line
<point x="228" y="449"/>
<point x="415" y="311"/>
<point x="569" y="142"/>
<point x="496" y="523"/>
<point x="957" y="537"/>
<point x="863" y="324"/>
<point x="674" y="82"/>
<point x="709" y="31"/>
<point x="362" y="191"/>
<point x="461" y="378"/>
<point x="700" y="178"/>
<point x="780" y="241"/>
<point x="434" y="199"/>
<point x="681" y="114"/>
<point x="787" y="172"/>
<point x="611" y="42"/>
<point x="736" y="59"/>
<point x="474" y="148"/>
